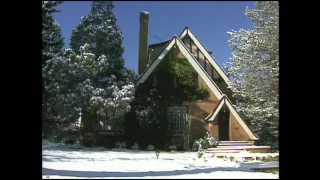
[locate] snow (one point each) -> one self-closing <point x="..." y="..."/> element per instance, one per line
<point x="74" y="161"/>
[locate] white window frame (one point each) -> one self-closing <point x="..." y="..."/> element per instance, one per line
<point x="177" y="118"/>
<point x="108" y="125"/>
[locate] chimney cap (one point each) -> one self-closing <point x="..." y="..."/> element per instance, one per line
<point x="144" y="12"/>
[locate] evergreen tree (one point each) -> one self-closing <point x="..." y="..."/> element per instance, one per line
<point x="254" y="69"/>
<point x="105" y="85"/>
<point x="75" y="84"/>
<point x="52" y="40"/>
<point x="104" y="36"/>
<point x="52" y="44"/>
<point x="62" y="99"/>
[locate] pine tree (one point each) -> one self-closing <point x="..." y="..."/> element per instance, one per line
<point x="104" y="36"/>
<point x="52" y="40"/>
<point x="105" y="84"/>
<point x="254" y="69"/>
<point x="52" y="44"/>
<point x="62" y="99"/>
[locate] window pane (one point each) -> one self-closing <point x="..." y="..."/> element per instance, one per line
<point x="201" y="57"/>
<point x="187" y="42"/>
<point x="215" y="74"/>
<point x="208" y="68"/>
<point x="176" y="109"/>
<point x="169" y="109"/>
<point x="201" y="61"/>
<point x="184" y="109"/>
<point x="194" y="50"/>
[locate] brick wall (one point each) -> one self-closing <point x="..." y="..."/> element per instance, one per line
<point x="237" y="133"/>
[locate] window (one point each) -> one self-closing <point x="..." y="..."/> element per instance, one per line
<point x="194" y="50"/>
<point x="215" y="74"/>
<point x="201" y="56"/>
<point x="202" y="60"/>
<point x="107" y="124"/>
<point x="209" y="68"/>
<point x="177" y="118"/>
<point x="186" y="41"/>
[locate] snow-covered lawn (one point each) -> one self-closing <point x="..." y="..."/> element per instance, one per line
<point x="60" y="161"/>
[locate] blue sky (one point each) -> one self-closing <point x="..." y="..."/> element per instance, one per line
<point x="210" y="21"/>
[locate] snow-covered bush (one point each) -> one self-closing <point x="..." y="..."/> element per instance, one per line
<point x="135" y="146"/>
<point x="124" y="144"/>
<point x="172" y="148"/>
<point x="88" y="140"/>
<point x="121" y="145"/>
<point x="150" y="148"/>
<point x="205" y="143"/>
<point x="196" y="145"/>
<point x="69" y="140"/>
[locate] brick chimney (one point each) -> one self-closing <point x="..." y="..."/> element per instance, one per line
<point x="143" y="41"/>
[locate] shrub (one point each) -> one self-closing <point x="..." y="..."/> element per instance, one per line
<point x="69" y="141"/>
<point x="172" y="148"/>
<point x="196" y="145"/>
<point x="150" y="148"/>
<point x="135" y="146"/>
<point x="121" y="145"/>
<point x="204" y="144"/>
<point x="88" y="139"/>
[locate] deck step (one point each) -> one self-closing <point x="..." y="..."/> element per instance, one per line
<point x="235" y="144"/>
<point x="233" y="141"/>
<point x="224" y="151"/>
<point x="253" y="149"/>
<point x="241" y="147"/>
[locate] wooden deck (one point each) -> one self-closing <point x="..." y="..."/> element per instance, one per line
<point x="238" y="146"/>
<point x="240" y="151"/>
<point x="252" y="149"/>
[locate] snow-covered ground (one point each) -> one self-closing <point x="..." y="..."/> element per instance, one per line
<point x="62" y="161"/>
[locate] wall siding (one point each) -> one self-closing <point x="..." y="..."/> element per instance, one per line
<point x="237" y="133"/>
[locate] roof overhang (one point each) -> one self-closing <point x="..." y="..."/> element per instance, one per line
<point x="215" y="65"/>
<point x="224" y="100"/>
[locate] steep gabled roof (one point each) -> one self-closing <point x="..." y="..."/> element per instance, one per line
<point x="216" y="66"/>
<point x="216" y="110"/>
<point x="225" y="101"/>
<point x="202" y="73"/>
<point x="239" y="119"/>
<point x="195" y="64"/>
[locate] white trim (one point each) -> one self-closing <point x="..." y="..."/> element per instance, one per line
<point x="146" y="74"/>
<point x="230" y="134"/>
<point x="241" y="122"/>
<point x="195" y="64"/>
<point x="215" y="113"/>
<point x="207" y="55"/>
<point x="202" y="73"/>
<point x="184" y="33"/>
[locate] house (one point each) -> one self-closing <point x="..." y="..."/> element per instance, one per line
<point x="214" y="113"/>
<point x="193" y="93"/>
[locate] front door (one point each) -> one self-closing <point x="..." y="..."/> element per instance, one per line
<point x="223" y="124"/>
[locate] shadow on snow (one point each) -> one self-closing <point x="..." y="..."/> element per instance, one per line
<point x="90" y="174"/>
